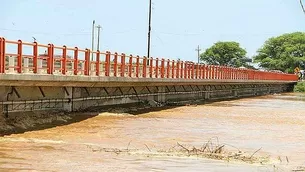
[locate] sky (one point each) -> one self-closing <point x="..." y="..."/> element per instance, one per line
<point x="178" y="26"/>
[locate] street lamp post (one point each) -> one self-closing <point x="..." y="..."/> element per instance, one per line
<point x="93" y="31"/>
<point x="98" y="36"/>
<point x="149" y="31"/>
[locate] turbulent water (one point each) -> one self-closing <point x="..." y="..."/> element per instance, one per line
<point x="270" y="126"/>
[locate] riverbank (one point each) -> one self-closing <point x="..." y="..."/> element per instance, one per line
<point x="21" y="122"/>
<point x="300" y="87"/>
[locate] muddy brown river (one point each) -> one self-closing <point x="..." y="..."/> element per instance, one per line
<point x="269" y="126"/>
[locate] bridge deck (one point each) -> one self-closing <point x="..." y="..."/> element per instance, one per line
<point x="95" y="81"/>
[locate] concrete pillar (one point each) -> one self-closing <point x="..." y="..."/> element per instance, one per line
<point x="208" y="93"/>
<point x="11" y="64"/>
<point x="26" y="65"/>
<point x="161" y="97"/>
<point x="93" y="69"/>
<point x="235" y="93"/>
<point x="39" y="66"/>
<point x="68" y="96"/>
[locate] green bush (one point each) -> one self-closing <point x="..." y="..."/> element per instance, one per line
<point x="300" y="87"/>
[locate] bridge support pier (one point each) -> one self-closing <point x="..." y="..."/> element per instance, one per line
<point x="68" y="98"/>
<point x="161" y="97"/>
<point x="68" y="106"/>
<point x="207" y="95"/>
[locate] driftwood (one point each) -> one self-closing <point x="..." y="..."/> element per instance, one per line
<point x="207" y="150"/>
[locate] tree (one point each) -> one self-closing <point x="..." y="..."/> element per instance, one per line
<point x="283" y="53"/>
<point x="225" y="54"/>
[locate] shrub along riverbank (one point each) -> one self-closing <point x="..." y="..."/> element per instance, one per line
<point x="300" y="87"/>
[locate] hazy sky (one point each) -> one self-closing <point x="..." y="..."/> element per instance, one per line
<point x="178" y="25"/>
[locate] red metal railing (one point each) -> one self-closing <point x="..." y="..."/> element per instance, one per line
<point x="50" y="59"/>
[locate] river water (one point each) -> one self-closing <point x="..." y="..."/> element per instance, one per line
<point x="276" y="124"/>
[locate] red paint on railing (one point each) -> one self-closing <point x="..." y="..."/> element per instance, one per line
<point x="178" y="70"/>
<point x="107" y="63"/>
<point x="87" y="62"/>
<point x="151" y="67"/>
<point x="168" y="68"/>
<point x="64" y="60"/>
<point x="75" y="64"/>
<point x="115" y="64"/>
<point x="19" y="57"/>
<point x="97" y="63"/>
<point x="162" y="68"/>
<point x="50" y="59"/>
<point x="123" y="56"/>
<point x="173" y="69"/>
<point x="137" y="66"/>
<point x="144" y="67"/>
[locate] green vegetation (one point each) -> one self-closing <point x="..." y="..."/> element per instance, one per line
<point x="300" y="87"/>
<point x="283" y="53"/>
<point x="225" y="53"/>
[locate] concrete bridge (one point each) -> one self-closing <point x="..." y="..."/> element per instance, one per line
<point x="36" y="77"/>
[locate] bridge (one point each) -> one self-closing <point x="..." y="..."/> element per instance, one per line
<point x="36" y="76"/>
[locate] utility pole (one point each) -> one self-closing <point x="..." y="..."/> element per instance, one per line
<point x="149" y="31"/>
<point x="98" y="36"/>
<point x="198" y="50"/>
<point x="93" y="31"/>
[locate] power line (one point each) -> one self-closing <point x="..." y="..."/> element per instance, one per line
<point x="302" y="6"/>
<point x="44" y="33"/>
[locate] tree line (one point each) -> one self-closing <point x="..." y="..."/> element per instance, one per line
<point x="283" y="53"/>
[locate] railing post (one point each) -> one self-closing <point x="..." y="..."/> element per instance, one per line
<point x="35" y="57"/>
<point x="192" y="70"/>
<point x="75" y="64"/>
<point x="123" y="56"/>
<point x="50" y="61"/>
<point x="186" y="70"/>
<point x="189" y="70"/>
<point x="115" y="64"/>
<point x="97" y="63"/>
<point x="197" y="71"/>
<point x="151" y="67"/>
<point x="220" y="72"/>
<point x="182" y="75"/>
<point x="144" y="67"/>
<point x="203" y="72"/>
<point x="173" y="68"/>
<point x="215" y="72"/>
<point x="178" y="69"/>
<point x="137" y="66"/>
<point x="162" y="68"/>
<point x="19" y="57"/>
<point x="224" y="68"/>
<point x="168" y="68"/>
<point x="87" y="62"/>
<point x="2" y="54"/>
<point x="157" y="68"/>
<point x="64" y="60"/>
<point x="130" y="66"/>
<point x="208" y="72"/>
<point x="107" y="63"/>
